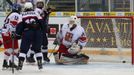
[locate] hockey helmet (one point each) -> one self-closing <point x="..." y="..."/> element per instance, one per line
<point x="40" y="1"/>
<point x="73" y="19"/>
<point x="40" y="4"/>
<point x="28" y="5"/>
<point x="16" y="7"/>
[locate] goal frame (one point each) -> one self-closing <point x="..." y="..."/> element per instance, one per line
<point x="132" y="27"/>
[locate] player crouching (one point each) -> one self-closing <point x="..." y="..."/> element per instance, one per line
<point x="72" y="39"/>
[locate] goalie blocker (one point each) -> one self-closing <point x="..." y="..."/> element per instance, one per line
<point x="71" y="40"/>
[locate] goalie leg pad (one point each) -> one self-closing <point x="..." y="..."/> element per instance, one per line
<point x="69" y="60"/>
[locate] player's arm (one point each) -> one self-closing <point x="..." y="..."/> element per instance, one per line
<point x="19" y="29"/>
<point x="59" y="35"/>
<point x="41" y="23"/>
<point x="82" y="39"/>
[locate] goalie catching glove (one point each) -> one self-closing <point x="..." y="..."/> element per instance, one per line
<point x="75" y="48"/>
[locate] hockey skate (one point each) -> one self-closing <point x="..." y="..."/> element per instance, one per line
<point x="39" y="62"/>
<point x="20" y="64"/>
<point x="5" y="65"/>
<point x="12" y="65"/>
<point x="30" y="59"/>
<point x="46" y="59"/>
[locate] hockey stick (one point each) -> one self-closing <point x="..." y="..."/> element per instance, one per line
<point x="52" y="51"/>
<point x="47" y="2"/>
<point x="13" y="37"/>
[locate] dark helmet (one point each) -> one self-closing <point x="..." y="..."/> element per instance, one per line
<point x="40" y="4"/>
<point x="16" y="7"/>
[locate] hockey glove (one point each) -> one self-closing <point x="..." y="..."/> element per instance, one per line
<point x="17" y="36"/>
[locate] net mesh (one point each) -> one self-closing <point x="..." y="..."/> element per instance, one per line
<point x="109" y="38"/>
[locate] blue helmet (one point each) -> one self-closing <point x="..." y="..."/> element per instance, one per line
<point x="16" y="7"/>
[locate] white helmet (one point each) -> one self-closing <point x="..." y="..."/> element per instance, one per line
<point x="73" y="18"/>
<point x="28" y="5"/>
<point x="40" y="4"/>
<point x="40" y="1"/>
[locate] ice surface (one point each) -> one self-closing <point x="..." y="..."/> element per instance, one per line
<point x="92" y="68"/>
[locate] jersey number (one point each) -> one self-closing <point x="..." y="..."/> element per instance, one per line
<point x="30" y="21"/>
<point x="68" y="36"/>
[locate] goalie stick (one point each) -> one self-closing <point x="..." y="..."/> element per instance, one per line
<point x="52" y="51"/>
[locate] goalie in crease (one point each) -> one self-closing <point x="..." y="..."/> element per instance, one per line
<point x="71" y="40"/>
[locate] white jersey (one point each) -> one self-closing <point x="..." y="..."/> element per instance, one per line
<point x="70" y="37"/>
<point x="10" y="22"/>
<point x="39" y="11"/>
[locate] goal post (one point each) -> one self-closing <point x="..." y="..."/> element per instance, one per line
<point x="111" y="35"/>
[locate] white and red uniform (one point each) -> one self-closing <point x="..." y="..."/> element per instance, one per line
<point x="10" y="24"/>
<point x="68" y="37"/>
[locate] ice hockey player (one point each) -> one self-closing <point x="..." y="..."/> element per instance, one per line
<point x="44" y="12"/>
<point x="31" y="27"/>
<point x="72" y="39"/>
<point x="8" y="28"/>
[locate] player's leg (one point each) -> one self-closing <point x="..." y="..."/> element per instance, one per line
<point x="36" y="45"/>
<point x="58" y="55"/>
<point x="11" y="63"/>
<point x="7" y="54"/>
<point x="7" y="45"/>
<point x="25" y="45"/>
<point x="63" y="57"/>
<point x="30" y="56"/>
<point x="14" y="54"/>
<point x="45" y="48"/>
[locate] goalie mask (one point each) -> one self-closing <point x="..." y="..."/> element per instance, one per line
<point x="74" y="49"/>
<point x="73" y="21"/>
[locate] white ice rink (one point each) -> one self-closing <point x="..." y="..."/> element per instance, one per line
<point x="92" y="68"/>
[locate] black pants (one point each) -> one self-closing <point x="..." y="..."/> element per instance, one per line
<point x="44" y="41"/>
<point x="31" y="37"/>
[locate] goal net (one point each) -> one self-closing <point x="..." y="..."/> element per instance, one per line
<point x="109" y="38"/>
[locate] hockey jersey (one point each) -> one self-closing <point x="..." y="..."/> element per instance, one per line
<point x="30" y="20"/>
<point x="71" y="36"/>
<point x="39" y="11"/>
<point x="10" y="24"/>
